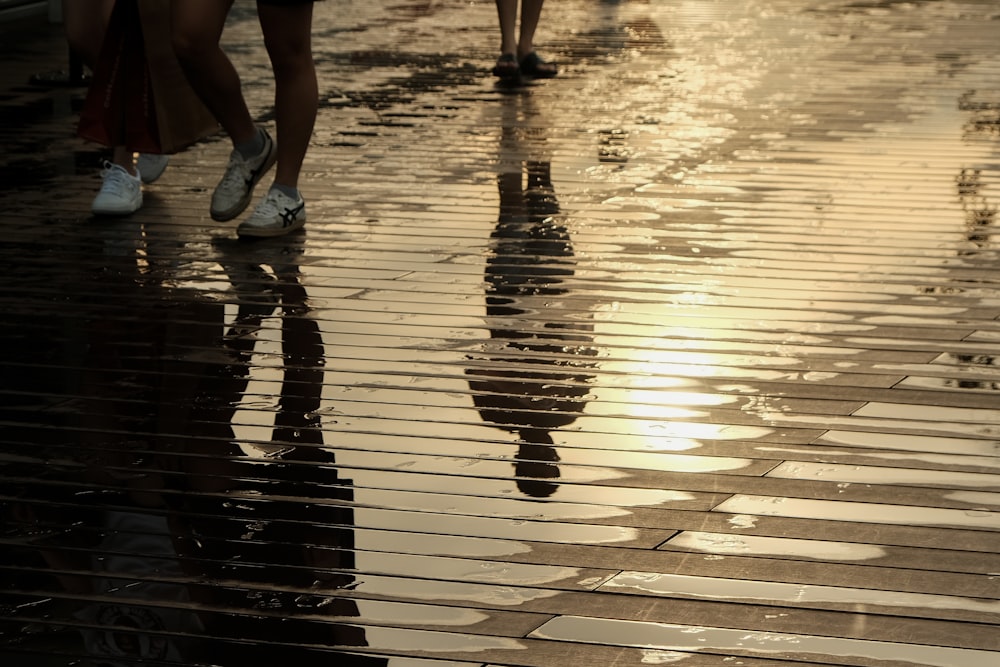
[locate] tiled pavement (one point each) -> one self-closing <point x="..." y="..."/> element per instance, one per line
<point x="688" y="356"/>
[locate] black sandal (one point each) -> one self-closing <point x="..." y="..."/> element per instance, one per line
<point x="532" y="65"/>
<point x="507" y="68"/>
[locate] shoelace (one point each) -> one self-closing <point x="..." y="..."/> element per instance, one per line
<point x="237" y="172"/>
<point x="116" y="180"/>
<point x="270" y="206"/>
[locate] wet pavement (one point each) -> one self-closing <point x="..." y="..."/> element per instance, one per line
<point x="688" y="356"/>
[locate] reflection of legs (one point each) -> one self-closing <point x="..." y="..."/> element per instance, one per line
<point x="302" y="347"/>
<point x="309" y="471"/>
<point x="540" y="194"/>
<point x="510" y="188"/>
<point x="291" y="522"/>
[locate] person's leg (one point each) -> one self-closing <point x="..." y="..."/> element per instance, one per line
<point x="197" y="28"/>
<point x="506" y="68"/>
<point x="507" y="14"/>
<point x="288" y="38"/>
<point x="531" y="11"/>
<point x="531" y="64"/>
<point x="84" y="22"/>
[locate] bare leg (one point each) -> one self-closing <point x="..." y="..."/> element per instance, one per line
<point x="85" y="21"/>
<point x="507" y="13"/>
<point x="197" y="28"/>
<point x="288" y="38"/>
<point x="531" y="11"/>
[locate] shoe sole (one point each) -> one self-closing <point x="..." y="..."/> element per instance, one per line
<point x="116" y="213"/>
<point x="113" y="214"/>
<point x="153" y="177"/>
<point x="225" y="216"/>
<point x="268" y="232"/>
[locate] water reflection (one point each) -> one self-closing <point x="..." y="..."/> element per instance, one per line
<point x="980" y="213"/>
<point x="167" y="534"/>
<point x="269" y="522"/>
<point x="87" y="518"/>
<point x="533" y="378"/>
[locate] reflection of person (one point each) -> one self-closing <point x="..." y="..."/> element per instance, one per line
<point x="115" y="576"/>
<point x="264" y="507"/>
<point x="517" y="42"/>
<point x="536" y="378"/>
<point x="121" y="190"/>
<point x="174" y="531"/>
<point x="287" y="27"/>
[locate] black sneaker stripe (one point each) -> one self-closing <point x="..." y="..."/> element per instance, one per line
<point x="289" y="215"/>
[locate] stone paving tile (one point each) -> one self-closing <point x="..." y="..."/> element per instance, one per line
<point x="685" y="356"/>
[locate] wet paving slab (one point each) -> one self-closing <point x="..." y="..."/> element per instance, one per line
<point x="686" y="356"/>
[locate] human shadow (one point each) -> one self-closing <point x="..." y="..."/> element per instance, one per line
<point x="533" y="376"/>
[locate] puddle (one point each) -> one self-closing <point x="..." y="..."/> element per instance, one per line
<point x="756" y="643"/>
<point x="750" y="545"/>
<point x="945" y="415"/>
<point x="536" y="531"/>
<point x="799" y="595"/>
<point x="832" y="510"/>
<point x="913" y="443"/>
<point x="876" y="475"/>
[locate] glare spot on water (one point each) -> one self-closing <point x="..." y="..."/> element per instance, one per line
<point x="654" y="657"/>
<point x="591" y="582"/>
<point x="719" y="543"/>
<point x="743" y="521"/>
<point x="677" y="638"/>
<point x="818" y="376"/>
<point x="800" y="595"/>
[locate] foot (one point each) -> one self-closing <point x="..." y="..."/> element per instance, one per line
<point x="120" y="193"/>
<point x="533" y="66"/>
<point x="275" y="215"/>
<point x="506" y="68"/>
<point x="150" y="166"/>
<point x="235" y="190"/>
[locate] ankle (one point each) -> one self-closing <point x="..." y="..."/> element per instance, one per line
<point x="287" y="190"/>
<point x="252" y="146"/>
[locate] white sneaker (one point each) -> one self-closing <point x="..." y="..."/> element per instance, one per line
<point x="120" y="194"/>
<point x="150" y="166"/>
<point x="275" y="215"/>
<point x="234" y="191"/>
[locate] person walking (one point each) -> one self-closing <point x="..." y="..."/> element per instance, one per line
<point x="518" y="57"/>
<point x="197" y="28"/>
<point x="85" y="23"/>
